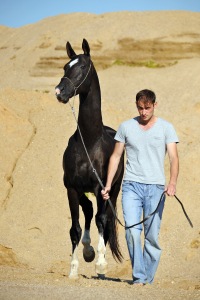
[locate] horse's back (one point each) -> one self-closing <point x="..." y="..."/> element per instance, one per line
<point x="111" y="132"/>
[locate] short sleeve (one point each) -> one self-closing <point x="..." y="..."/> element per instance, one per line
<point x="120" y="134"/>
<point x="171" y="135"/>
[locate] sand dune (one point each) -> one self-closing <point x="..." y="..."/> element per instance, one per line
<point x="131" y="51"/>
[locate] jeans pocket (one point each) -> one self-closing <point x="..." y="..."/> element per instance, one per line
<point x="126" y="185"/>
<point x="160" y="186"/>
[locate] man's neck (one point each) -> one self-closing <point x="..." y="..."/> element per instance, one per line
<point x="147" y="124"/>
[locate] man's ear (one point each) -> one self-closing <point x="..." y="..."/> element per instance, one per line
<point x="155" y="104"/>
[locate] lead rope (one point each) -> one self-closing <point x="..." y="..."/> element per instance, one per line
<point x="103" y="187"/>
<point x="93" y="169"/>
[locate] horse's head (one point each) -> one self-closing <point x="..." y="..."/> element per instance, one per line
<point x="76" y="74"/>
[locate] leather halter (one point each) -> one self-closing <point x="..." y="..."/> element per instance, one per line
<point x="76" y="87"/>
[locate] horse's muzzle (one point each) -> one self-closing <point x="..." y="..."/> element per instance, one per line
<point x="60" y="98"/>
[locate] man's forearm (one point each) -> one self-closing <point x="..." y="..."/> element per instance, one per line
<point x="174" y="170"/>
<point x="112" y="169"/>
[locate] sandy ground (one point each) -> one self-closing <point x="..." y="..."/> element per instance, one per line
<point x="35" y="247"/>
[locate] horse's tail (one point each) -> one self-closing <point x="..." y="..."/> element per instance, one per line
<point x="110" y="232"/>
<point x="111" y="235"/>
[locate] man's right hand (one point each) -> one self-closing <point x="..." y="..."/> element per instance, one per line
<point x="105" y="193"/>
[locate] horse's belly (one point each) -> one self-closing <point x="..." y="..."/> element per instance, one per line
<point x="77" y="165"/>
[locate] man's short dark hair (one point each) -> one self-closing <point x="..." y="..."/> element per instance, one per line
<point x="146" y="96"/>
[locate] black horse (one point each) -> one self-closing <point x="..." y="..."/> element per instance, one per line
<point x="86" y="159"/>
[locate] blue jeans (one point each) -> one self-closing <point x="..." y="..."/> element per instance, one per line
<point x="138" y="198"/>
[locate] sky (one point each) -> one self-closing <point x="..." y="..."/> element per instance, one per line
<point x="17" y="13"/>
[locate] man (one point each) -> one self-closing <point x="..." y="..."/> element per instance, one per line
<point x="146" y="139"/>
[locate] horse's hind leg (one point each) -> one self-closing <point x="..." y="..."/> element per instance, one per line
<point x="88" y="251"/>
<point x="101" y="264"/>
<point x="75" y="231"/>
<point x="101" y="220"/>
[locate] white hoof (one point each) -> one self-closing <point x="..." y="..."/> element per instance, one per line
<point x="74" y="270"/>
<point x="73" y="276"/>
<point x="101" y="268"/>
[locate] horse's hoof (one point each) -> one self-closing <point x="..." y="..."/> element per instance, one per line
<point x="73" y="276"/>
<point x="101" y="276"/>
<point x="101" y="269"/>
<point x="88" y="255"/>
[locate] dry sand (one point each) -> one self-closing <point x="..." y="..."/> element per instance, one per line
<point x="35" y="246"/>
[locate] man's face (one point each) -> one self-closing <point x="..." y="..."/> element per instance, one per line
<point x="146" y="110"/>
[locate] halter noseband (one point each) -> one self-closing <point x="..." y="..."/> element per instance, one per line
<point x="76" y="87"/>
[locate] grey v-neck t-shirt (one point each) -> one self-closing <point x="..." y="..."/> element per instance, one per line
<point x="146" y="149"/>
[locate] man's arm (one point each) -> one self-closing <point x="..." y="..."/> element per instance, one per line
<point x="112" y="168"/>
<point x="174" y="168"/>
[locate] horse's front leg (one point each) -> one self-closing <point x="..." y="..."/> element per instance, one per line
<point x="74" y="264"/>
<point x="75" y="232"/>
<point x="88" y="250"/>
<point x="101" y="264"/>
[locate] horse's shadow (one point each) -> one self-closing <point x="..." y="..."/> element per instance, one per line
<point x="103" y="277"/>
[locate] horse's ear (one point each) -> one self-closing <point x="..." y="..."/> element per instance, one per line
<point x="86" y="47"/>
<point x="70" y="52"/>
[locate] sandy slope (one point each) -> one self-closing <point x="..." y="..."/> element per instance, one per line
<point x="35" y="246"/>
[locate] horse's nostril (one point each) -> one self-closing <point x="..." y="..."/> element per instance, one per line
<point x="57" y="91"/>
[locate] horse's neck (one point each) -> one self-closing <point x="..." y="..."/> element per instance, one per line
<point x="90" y="117"/>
